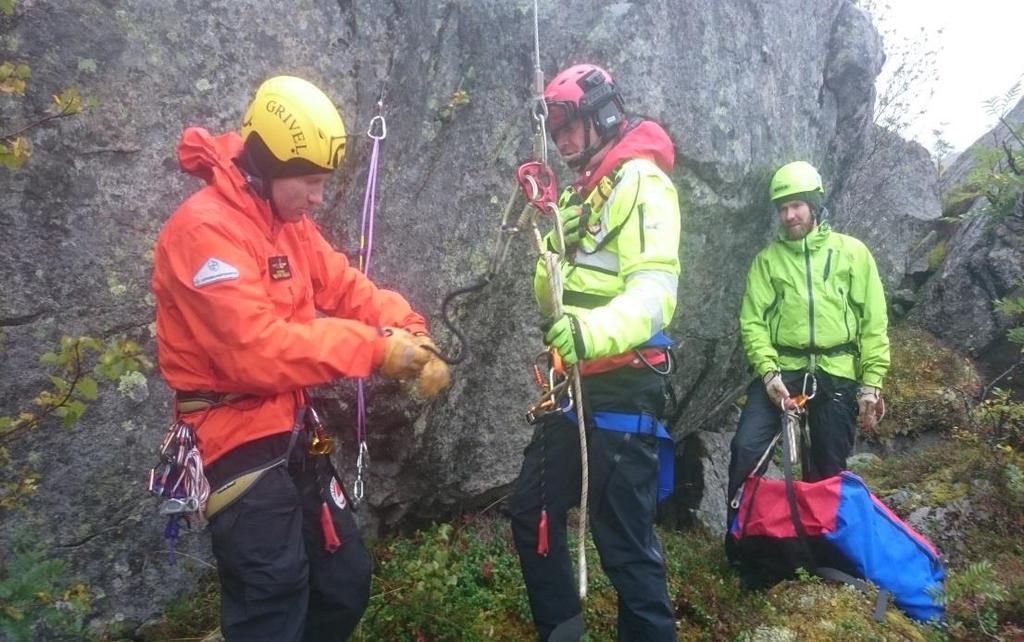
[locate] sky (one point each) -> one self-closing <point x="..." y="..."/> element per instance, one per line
<point x="979" y="56"/>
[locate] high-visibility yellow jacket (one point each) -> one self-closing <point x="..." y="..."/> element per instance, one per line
<point x="621" y="282"/>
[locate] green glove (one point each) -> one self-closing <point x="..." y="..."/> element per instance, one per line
<point x="572" y="227"/>
<point x="566" y="336"/>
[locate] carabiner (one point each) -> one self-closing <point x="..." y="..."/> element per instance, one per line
<point x="177" y="506"/>
<point x="382" y="125"/>
<point x="814" y="386"/>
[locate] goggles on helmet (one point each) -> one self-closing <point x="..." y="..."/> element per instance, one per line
<point x="561" y="113"/>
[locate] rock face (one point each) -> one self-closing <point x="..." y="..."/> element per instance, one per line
<point x="79" y="221"/>
<point x="891" y="196"/>
<point x="983" y="262"/>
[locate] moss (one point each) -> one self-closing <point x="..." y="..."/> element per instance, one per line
<point x="927" y="385"/>
<point x="194" y="615"/>
<point x="937" y="255"/>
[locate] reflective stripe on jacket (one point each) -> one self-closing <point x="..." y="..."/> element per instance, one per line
<point x="816" y="294"/>
<point x="237" y="296"/>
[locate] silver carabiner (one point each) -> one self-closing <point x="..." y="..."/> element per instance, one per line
<point x="362" y="461"/>
<point x="814" y="386"/>
<point x="176" y="506"/>
<point x="382" y="123"/>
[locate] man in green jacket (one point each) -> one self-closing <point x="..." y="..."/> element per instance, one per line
<point x="621" y="222"/>
<point x="813" y="314"/>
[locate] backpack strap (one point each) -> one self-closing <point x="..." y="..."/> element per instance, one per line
<point x="835" y="575"/>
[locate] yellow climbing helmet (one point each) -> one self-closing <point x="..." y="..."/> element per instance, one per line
<point x="292" y="129"/>
<point x="797" y="181"/>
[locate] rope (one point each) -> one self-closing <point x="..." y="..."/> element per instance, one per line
<point x="378" y="131"/>
<point x="552" y="262"/>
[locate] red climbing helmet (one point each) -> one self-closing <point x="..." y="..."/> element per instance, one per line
<point x="584" y="91"/>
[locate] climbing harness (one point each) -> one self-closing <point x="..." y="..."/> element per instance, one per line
<point x="178" y="480"/>
<point x="377" y="131"/>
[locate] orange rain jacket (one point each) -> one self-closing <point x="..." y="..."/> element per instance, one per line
<point x="237" y="295"/>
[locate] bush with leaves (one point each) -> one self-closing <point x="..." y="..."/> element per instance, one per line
<point x="77" y="366"/>
<point x="14" y="75"/>
<point x="34" y="598"/>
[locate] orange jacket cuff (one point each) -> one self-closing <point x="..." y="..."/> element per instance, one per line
<point x="413" y="328"/>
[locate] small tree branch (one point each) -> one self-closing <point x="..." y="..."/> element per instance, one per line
<point x="1012" y="131"/>
<point x="1011" y="160"/>
<point x="8" y="436"/>
<point x="45" y="119"/>
<point x="987" y="389"/>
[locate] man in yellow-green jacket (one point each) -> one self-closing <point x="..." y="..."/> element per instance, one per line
<point x="621" y="222"/>
<point x="813" y="314"/>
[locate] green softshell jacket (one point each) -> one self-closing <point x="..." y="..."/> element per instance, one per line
<point x="820" y="294"/>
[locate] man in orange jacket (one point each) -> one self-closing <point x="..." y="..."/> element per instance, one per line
<point x="240" y="273"/>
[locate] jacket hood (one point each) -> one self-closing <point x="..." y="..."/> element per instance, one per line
<point x="641" y="139"/>
<point x="211" y="158"/>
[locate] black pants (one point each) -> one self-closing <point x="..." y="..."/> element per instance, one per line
<point x="832" y="414"/>
<point x="622" y="499"/>
<point x="277" y="581"/>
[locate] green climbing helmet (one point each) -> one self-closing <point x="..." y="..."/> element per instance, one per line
<point x="797" y="181"/>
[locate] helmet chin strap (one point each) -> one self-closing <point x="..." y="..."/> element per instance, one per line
<point x="589" y="151"/>
<point x="259" y="185"/>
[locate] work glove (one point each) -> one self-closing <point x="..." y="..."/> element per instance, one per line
<point x="433" y="378"/>
<point x="870" y="407"/>
<point x="777" y="390"/>
<point x="404" y="357"/>
<point x="424" y="341"/>
<point x="566" y="336"/>
<point x="575" y="219"/>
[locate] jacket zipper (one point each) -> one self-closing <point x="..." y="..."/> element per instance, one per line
<point x="846" y="321"/>
<point x="778" y="319"/>
<point x="828" y="265"/>
<point x="810" y="295"/>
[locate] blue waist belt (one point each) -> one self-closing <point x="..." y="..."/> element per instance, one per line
<point x="660" y="340"/>
<point x="642" y="424"/>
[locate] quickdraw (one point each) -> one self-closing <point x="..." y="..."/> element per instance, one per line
<point x="377" y="131"/>
<point x="178" y="480"/>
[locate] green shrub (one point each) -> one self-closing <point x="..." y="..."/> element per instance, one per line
<point x="34" y="598"/>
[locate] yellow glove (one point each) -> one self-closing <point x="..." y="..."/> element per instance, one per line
<point x="404" y="356"/>
<point x="433" y="378"/>
<point x="423" y="340"/>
